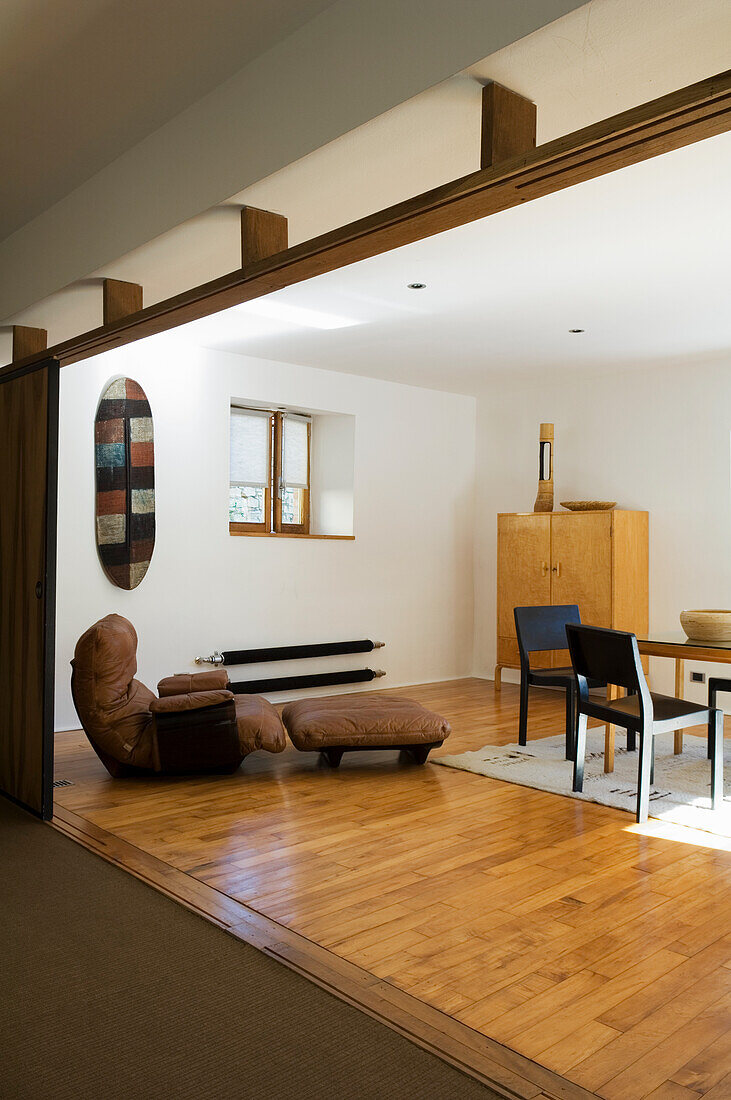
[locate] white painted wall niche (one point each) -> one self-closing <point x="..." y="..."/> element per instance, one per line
<point x="333" y="474"/>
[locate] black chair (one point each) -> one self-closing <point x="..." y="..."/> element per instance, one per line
<point x="538" y="630"/>
<point x="614" y="657"/>
<point x="716" y="684"/>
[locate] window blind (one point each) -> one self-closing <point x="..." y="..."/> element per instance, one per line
<point x="294" y="459"/>
<point x="249" y="447"/>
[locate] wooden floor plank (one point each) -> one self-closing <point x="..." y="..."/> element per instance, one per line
<point x="650" y="1033"/>
<point x="670" y="1091"/>
<point x="574" y="1048"/>
<point x="721" y="1091"/>
<point x="653" y="1068"/>
<point x="706" y="1069"/>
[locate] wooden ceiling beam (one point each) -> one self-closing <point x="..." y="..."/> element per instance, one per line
<point x="263" y="234"/>
<point x="121" y="299"/>
<point x="28" y="342"/>
<point x="508" y="125"/>
<point x="681" y="118"/>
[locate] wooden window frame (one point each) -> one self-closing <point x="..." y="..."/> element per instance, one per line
<point x="273" y="524"/>
<point x="281" y="527"/>
<point x="238" y="528"/>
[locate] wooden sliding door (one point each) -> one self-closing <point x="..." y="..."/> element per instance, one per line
<point x="28" y="485"/>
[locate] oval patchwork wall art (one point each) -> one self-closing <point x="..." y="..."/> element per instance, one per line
<point x="125" y="482"/>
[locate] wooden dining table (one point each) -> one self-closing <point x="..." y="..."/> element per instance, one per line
<point x="679" y="648"/>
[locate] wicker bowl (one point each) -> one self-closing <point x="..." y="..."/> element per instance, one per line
<point x="589" y="505"/>
<point x="707" y="624"/>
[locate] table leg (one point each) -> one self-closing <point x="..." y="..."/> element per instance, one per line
<point x="679" y="684"/>
<point x="609" y="732"/>
<point x="498" y="678"/>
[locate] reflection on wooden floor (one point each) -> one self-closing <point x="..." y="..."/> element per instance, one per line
<point x="559" y="928"/>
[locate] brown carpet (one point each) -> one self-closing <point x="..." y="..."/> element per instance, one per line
<point x="111" y="991"/>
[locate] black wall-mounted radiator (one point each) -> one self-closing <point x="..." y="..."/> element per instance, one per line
<point x="292" y="683"/>
<point x="291" y="653"/>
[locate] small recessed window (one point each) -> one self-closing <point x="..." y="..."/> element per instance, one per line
<point x="269" y="490"/>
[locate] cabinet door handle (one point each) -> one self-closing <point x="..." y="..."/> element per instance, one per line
<point x="544" y="568"/>
<point x="557" y="569"/>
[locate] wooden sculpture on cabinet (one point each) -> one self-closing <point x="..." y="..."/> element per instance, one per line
<point x="544" y="499"/>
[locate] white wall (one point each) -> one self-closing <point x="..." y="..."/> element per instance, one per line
<point x="657" y="440"/>
<point x="405" y="579"/>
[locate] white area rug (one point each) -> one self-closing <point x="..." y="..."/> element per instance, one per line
<point x="680" y="793"/>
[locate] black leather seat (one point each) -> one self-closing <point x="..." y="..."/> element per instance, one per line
<point x="551" y="677"/>
<point x="665" y="709"/>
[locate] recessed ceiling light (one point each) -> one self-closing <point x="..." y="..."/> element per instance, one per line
<point x="577" y="330"/>
<point x="295" y="315"/>
<point x="416" y="286"/>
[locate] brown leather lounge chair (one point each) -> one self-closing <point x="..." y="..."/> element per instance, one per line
<point x="196" y="724"/>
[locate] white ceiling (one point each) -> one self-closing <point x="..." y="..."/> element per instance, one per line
<point x="639" y="259"/>
<point x="83" y="80"/>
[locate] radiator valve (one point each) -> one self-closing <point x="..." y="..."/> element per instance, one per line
<point x="216" y="658"/>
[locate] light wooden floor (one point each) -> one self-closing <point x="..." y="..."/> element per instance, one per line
<point x="599" y="949"/>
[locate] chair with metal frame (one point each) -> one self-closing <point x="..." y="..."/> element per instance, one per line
<point x="716" y="684"/>
<point x="614" y="656"/>
<point x="538" y="630"/>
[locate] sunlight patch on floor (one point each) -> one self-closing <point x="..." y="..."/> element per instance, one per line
<point x="682" y="834"/>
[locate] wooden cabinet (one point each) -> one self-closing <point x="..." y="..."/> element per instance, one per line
<point x="598" y="560"/>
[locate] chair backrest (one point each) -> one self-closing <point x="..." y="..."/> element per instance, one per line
<point x="543" y="628"/>
<point x="114" y="707"/>
<point x="610" y="656"/>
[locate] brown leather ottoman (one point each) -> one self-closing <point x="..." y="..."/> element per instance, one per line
<point x="347" y="723"/>
<point x="259" y="725"/>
